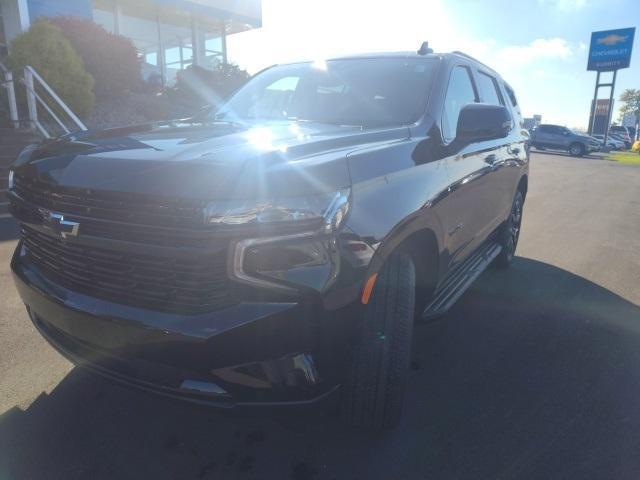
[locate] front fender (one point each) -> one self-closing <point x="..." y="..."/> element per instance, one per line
<point x="393" y="198"/>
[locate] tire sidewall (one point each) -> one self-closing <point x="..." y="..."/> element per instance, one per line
<point x="507" y="254"/>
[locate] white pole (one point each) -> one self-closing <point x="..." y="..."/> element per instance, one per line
<point x="31" y="98"/>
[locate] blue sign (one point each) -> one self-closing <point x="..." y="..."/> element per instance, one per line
<point x="611" y="49"/>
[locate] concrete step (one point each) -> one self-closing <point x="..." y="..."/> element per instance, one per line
<point x="17" y="135"/>
<point x="6" y="161"/>
<point x="4" y="206"/>
<point x="11" y="150"/>
<point x="9" y="142"/>
<point x="17" y="131"/>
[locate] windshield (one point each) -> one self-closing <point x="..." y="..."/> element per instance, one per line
<point x="363" y="92"/>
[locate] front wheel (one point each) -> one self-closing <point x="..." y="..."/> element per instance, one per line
<point x="576" y="149"/>
<point x="510" y="232"/>
<point x="373" y="394"/>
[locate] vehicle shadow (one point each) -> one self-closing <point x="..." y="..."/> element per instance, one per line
<point x="534" y="374"/>
<point x="590" y="156"/>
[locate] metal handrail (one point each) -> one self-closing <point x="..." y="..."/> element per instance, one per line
<point x="33" y="98"/>
<point x="11" y="95"/>
<point x="32" y="91"/>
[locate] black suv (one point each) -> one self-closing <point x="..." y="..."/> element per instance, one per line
<point x="276" y="251"/>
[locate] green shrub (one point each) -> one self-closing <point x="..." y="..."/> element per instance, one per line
<point x="46" y="49"/>
<point x="111" y="59"/>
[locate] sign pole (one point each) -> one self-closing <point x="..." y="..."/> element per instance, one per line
<point x="609" y="51"/>
<point x="593" y="105"/>
<point x="610" y="109"/>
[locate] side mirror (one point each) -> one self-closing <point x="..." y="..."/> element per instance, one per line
<point x="479" y="121"/>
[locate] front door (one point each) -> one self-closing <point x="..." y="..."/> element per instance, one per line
<point x="470" y="203"/>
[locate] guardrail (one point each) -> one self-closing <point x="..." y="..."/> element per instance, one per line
<point x="8" y="85"/>
<point x="39" y="95"/>
<point x="34" y="99"/>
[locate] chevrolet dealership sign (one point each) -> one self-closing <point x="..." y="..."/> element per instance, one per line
<point x="610" y="49"/>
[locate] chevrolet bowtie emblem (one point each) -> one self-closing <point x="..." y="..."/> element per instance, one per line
<point x="57" y="224"/>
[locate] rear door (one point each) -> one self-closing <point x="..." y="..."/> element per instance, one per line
<point x="543" y="136"/>
<point x="501" y="155"/>
<point x="557" y="138"/>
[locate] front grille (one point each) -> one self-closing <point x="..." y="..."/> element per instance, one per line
<point x="177" y="284"/>
<point x="130" y="208"/>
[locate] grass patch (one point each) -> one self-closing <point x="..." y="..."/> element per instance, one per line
<point x="628" y="158"/>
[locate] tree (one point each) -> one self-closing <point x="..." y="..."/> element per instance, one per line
<point x="111" y="59"/>
<point x="630" y="99"/>
<point x="46" y="49"/>
<point x="196" y="86"/>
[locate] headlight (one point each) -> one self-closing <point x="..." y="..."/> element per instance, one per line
<point x="11" y="180"/>
<point x="308" y="260"/>
<point x="278" y="210"/>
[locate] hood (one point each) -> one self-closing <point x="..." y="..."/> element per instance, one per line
<point x="219" y="160"/>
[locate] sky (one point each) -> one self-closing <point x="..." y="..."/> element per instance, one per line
<point x="539" y="46"/>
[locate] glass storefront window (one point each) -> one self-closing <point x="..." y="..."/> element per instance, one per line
<point x="175" y="32"/>
<point x="104" y="14"/>
<point x="138" y="22"/>
<point x="210" y="43"/>
<point x="164" y="36"/>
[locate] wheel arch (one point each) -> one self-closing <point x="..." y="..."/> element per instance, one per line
<point x="422" y="247"/>
<point x="418" y="239"/>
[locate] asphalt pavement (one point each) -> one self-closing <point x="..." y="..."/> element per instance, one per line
<point x="535" y="373"/>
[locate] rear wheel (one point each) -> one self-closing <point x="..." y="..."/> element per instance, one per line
<point x="510" y="232"/>
<point x="373" y="393"/>
<point x="576" y="149"/>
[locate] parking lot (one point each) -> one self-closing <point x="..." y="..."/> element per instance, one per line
<point x="535" y="373"/>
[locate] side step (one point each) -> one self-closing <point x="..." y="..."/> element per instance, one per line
<point x="455" y="285"/>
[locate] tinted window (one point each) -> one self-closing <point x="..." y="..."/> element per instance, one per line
<point x="460" y="92"/>
<point x="511" y="95"/>
<point x="368" y="92"/>
<point x="544" y="129"/>
<point x="489" y="90"/>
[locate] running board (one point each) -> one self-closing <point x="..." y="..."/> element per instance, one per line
<point x="453" y="287"/>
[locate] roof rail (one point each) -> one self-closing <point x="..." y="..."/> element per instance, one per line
<point x="458" y="52"/>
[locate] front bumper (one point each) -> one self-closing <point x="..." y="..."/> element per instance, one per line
<point x="250" y="354"/>
<point x="593" y="148"/>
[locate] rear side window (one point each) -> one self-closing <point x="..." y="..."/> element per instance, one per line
<point x="460" y="92"/>
<point x="489" y="92"/>
<point x="511" y="95"/>
<point x="544" y="129"/>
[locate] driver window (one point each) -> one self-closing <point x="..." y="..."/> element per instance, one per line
<point x="460" y="93"/>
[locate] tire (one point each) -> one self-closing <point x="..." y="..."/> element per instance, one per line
<point x="373" y="393"/>
<point x="576" y="149"/>
<point x="510" y="232"/>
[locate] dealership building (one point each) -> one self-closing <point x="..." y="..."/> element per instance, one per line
<point x="170" y="35"/>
